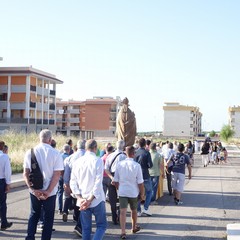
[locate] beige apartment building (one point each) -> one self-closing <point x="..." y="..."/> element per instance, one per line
<point x="181" y="121"/>
<point x="27" y="99"/>
<point x="234" y="119"/>
<point x="94" y="117"/>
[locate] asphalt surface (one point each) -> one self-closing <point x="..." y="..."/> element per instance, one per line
<point x="211" y="200"/>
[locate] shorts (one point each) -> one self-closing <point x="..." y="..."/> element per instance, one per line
<point x="123" y="201"/>
<point x="178" y="180"/>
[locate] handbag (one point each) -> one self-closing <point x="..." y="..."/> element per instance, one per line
<point x="35" y="176"/>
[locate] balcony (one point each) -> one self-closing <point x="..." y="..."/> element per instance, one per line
<point x="52" y="92"/>
<point x="33" y="88"/>
<point x="51" y="121"/>
<point x="32" y="105"/>
<point x="13" y="120"/>
<point x="61" y="129"/>
<point x="73" y="111"/>
<point x="74" y="120"/>
<point x="3" y="97"/>
<point x="18" y="106"/>
<point x="74" y="128"/>
<point x="52" y="106"/>
<point x="3" y="104"/>
<point x="45" y="121"/>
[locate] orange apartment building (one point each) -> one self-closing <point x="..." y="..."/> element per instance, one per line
<point x="27" y="99"/>
<point x="90" y="118"/>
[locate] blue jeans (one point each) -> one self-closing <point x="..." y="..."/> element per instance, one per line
<point x="101" y="222"/>
<point x="148" y="193"/>
<point x="48" y="208"/>
<point x="155" y="181"/>
<point x="60" y="194"/>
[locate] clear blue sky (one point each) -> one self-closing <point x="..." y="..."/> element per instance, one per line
<point x="150" y="51"/>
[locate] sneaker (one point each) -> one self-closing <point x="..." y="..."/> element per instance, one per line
<point x="179" y="203"/>
<point x="154" y="203"/>
<point x="139" y="214"/>
<point x="8" y="225"/>
<point x="146" y="212"/>
<point x="64" y="217"/>
<point x="78" y="231"/>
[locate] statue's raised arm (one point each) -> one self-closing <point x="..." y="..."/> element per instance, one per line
<point x="126" y="124"/>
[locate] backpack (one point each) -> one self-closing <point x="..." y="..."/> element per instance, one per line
<point x="35" y="176"/>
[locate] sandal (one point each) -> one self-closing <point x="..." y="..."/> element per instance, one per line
<point x="123" y="236"/>
<point x="137" y="229"/>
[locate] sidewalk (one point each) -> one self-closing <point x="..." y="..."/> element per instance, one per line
<point x="210" y="202"/>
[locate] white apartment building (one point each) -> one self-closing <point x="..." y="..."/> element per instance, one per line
<point x="181" y="121"/>
<point x="234" y="119"/>
<point x="27" y="99"/>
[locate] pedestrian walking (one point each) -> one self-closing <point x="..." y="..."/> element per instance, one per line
<point x="86" y="185"/>
<point x="50" y="163"/>
<point x="128" y="180"/>
<point x="178" y="173"/>
<point x="143" y="157"/>
<point x="110" y="168"/>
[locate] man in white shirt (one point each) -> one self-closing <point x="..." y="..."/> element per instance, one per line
<point x="168" y="154"/>
<point x="5" y="180"/>
<point x="128" y="179"/>
<point x="110" y="167"/>
<point x="51" y="165"/>
<point x="86" y="185"/>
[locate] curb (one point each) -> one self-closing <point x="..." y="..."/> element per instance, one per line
<point x="17" y="183"/>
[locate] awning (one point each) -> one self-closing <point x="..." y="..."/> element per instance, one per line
<point x="18" y="97"/>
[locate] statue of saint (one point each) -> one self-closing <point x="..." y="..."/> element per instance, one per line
<point x="126" y="124"/>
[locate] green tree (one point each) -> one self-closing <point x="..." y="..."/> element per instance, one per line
<point x="212" y="133"/>
<point x="226" y="133"/>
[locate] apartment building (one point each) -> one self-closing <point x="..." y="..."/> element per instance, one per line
<point x="181" y="121"/>
<point x="92" y="117"/>
<point x="27" y="99"/>
<point x="234" y="119"/>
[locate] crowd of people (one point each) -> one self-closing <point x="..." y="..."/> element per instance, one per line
<point x="81" y="179"/>
<point x="213" y="152"/>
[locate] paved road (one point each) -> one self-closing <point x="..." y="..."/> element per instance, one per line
<point x="211" y="201"/>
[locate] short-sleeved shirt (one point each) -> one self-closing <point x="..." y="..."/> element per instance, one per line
<point x="156" y="159"/>
<point x="116" y="156"/>
<point x="128" y="174"/>
<point x="5" y="168"/>
<point x="87" y="177"/>
<point x="49" y="160"/>
<point x="180" y="161"/>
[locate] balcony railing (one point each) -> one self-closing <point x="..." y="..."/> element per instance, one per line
<point x="30" y="121"/>
<point x="52" y="106"/>
<point x="33" y="88"/>
<point x="51" y="121"/>
<point x="52" y="92"/>
<point x="32" y="104"/>
<point x="13" y="120"/>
